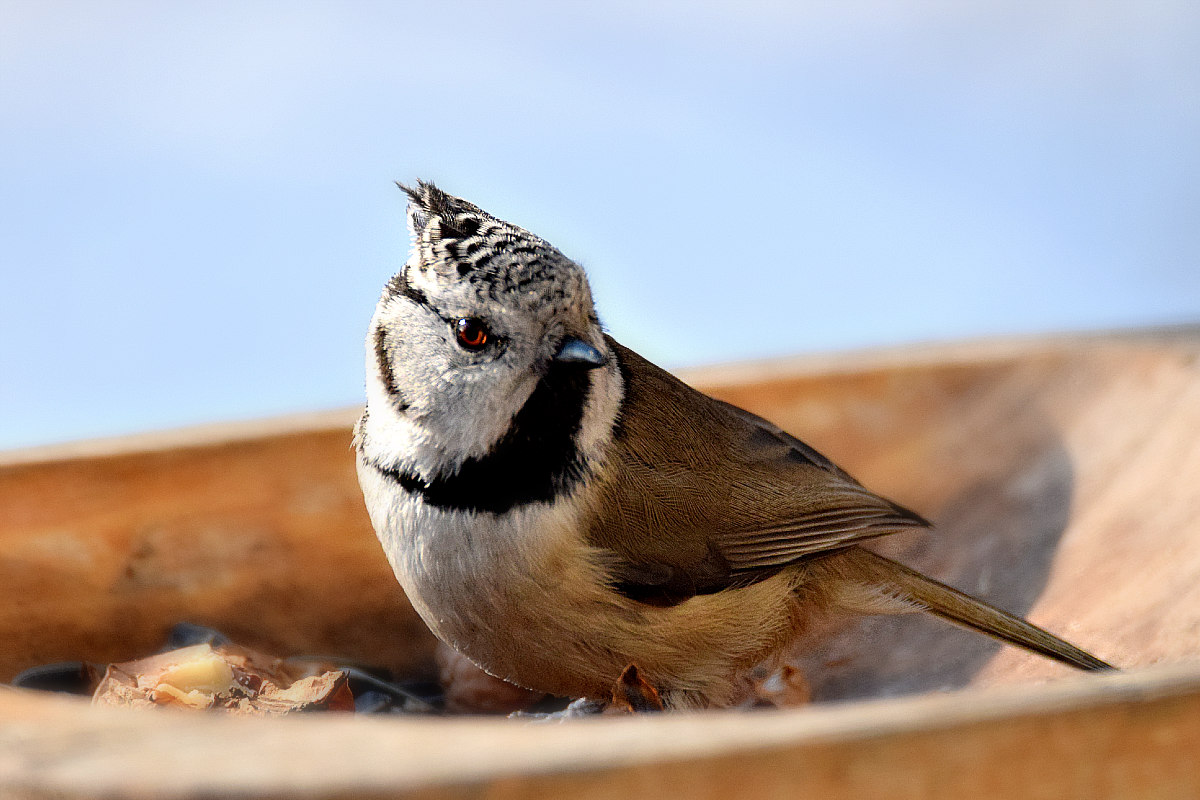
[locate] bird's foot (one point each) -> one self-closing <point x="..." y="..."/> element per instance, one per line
<point x="632" y="693"/>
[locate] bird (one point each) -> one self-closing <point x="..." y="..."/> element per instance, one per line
<point x="558" y="509"/>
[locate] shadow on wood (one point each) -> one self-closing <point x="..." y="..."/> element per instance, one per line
<point x="995" y="539"/>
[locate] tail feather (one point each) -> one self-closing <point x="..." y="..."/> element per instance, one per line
<point x="897" y="587"/>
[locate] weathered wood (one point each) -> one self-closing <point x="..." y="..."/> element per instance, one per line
<point x="1122" y="737"/>
<point x="1062" y="474"/>
<point x="261" y="535"/>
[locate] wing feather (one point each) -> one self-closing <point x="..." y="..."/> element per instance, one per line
<point x="726" y="498"/>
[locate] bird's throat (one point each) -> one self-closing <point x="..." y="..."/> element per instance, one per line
<point x="536" y="459"/>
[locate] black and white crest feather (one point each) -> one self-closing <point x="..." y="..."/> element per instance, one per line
<point x="494" y="428"/>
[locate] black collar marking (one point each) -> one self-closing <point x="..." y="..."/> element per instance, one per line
<point x="535" y="461"/>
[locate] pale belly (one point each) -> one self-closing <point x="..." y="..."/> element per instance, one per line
<point x="526" y="600"/>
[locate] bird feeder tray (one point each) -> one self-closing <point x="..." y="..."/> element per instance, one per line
<point x="1062" y="474"/>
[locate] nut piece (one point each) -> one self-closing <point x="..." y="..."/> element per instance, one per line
<point x="226" y="677"/>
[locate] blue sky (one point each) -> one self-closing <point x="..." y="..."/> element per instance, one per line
<point x="197" y="214"/>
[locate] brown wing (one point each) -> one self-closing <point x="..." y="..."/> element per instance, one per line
<point x="704" y="495"/>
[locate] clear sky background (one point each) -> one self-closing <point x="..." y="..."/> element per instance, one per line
<point x="197" y="215"/>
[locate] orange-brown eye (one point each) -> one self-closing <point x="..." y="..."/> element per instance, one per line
<point x="472" y="333"/>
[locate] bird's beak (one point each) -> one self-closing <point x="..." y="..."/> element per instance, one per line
<point x="578" y="352"/>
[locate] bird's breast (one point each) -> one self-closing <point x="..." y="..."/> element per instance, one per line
<point x="524" y="597"/>
<point x="498" y="587"/>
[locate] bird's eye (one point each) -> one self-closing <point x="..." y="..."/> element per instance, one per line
<point x="472" y="333"/>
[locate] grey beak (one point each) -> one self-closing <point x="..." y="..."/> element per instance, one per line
<point x="577" y="351"/>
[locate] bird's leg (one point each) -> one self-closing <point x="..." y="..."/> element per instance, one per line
<point x="633" y="693"/>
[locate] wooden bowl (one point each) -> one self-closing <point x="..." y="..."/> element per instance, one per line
<point x="1062" y="474"/>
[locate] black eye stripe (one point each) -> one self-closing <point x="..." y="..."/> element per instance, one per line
<point x="399" y="286"/>
<point x="383" y="357"/>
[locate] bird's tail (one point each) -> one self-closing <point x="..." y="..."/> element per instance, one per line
<point x="874" y="584"/>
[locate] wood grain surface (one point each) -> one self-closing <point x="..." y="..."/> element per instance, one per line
<point x="1130" y="736"/>
<point x="261" y="535"/>
<point x="1062" y="475"/>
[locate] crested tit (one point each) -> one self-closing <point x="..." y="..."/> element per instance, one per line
<point x="557" y="507"/>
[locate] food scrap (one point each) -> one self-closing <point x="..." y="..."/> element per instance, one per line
<point x="201" y="669"/>
<point x="225" y="677"/>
